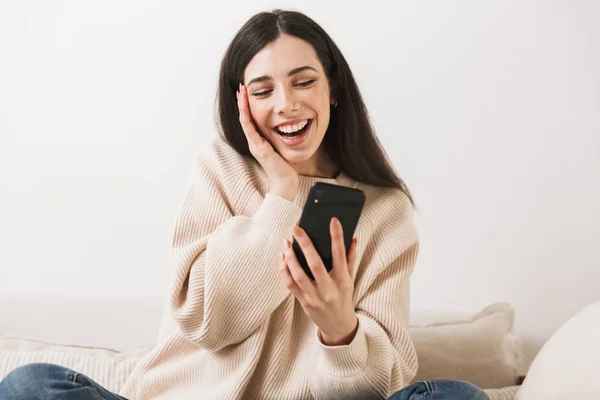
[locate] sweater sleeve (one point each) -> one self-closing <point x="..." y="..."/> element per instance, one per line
<point x="381" y="358"/>
<point x="226" y="282"/>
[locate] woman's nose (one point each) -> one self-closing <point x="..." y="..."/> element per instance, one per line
<point x="285" y="102"/>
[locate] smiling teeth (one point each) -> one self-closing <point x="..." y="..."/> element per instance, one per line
<point x="293" y="128"/>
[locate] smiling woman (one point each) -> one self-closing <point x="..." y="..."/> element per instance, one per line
<point x="294" y="72"/>
<point x="246" y="321"/>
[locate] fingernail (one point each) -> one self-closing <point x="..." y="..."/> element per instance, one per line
<point x="298" y="232"/>
<point x="286" y="243"/>
<point x="282" y="256"/>
<point x="337" y="222"/>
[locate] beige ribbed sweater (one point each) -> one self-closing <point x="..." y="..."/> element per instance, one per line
<point x="238" y="332"/>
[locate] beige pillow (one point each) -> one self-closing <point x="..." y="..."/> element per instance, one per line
<point x="109" y="368"/>
<point x="568" y="366"/>
<point x="482" y="349"/>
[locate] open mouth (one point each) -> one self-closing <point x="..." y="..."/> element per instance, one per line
<point x="289" y="134"/>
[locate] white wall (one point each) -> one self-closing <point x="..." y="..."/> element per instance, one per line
<point x="489" y="110"/>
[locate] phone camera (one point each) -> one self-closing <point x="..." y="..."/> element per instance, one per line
<point x="318" y="194"/>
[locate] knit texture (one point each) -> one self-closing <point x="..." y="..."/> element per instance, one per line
<point x="238" y="333"/>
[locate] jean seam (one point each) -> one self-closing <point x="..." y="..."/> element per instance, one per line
<point x="429" y="387"/>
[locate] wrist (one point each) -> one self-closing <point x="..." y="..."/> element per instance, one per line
<point x="341" y="338"/>
<point x="287" y="191"/>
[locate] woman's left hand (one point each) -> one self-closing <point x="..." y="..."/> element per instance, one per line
<point x="328" y="299"/>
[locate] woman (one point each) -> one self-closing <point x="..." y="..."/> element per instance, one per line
<point x="247" y="321"/>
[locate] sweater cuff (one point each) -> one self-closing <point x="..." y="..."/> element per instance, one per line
<point x="345" y="360"/>
<point x="277" y="214"/>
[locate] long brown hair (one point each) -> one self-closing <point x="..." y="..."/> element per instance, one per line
<point x="350" y="140"/>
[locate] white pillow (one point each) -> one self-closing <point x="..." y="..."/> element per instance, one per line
<point x="481" y="349"/>
<point x="568" y="366"/>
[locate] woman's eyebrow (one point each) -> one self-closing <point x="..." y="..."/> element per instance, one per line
<point x="291" y="73"/>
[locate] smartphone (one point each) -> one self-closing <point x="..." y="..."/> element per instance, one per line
<point x="326" y="201"/>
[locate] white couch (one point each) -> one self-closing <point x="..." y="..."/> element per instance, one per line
<point x="105" y="337"/>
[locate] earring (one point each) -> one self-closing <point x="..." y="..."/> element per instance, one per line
<point x="336" y="103"/>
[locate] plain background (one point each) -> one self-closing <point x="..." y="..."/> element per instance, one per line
<point x="489" y="110"/>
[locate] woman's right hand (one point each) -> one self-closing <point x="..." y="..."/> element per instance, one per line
<point x="283" y="178"/>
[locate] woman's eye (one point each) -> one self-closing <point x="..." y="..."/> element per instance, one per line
<point x="305" y="83"/>
<point x="263" y="93"/>
<point x="266" y="92"/>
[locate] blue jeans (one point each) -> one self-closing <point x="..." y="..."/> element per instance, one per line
<point x="440" y="390"/>
<point x="53" y="382"/>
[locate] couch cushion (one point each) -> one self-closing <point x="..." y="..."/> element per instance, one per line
<point x="107" y="367"/>
<point x="481" y="349"/>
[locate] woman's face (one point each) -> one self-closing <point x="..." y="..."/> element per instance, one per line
<point x="289" y="97"/>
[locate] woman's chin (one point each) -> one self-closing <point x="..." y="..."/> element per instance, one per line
<point x="296" y="157"/>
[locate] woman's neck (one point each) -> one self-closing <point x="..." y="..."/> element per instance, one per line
<point x="319" y="165"/>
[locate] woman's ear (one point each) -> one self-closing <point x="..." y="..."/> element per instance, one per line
<point x="333" y="101"/>
<point x="333" y="97"/>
